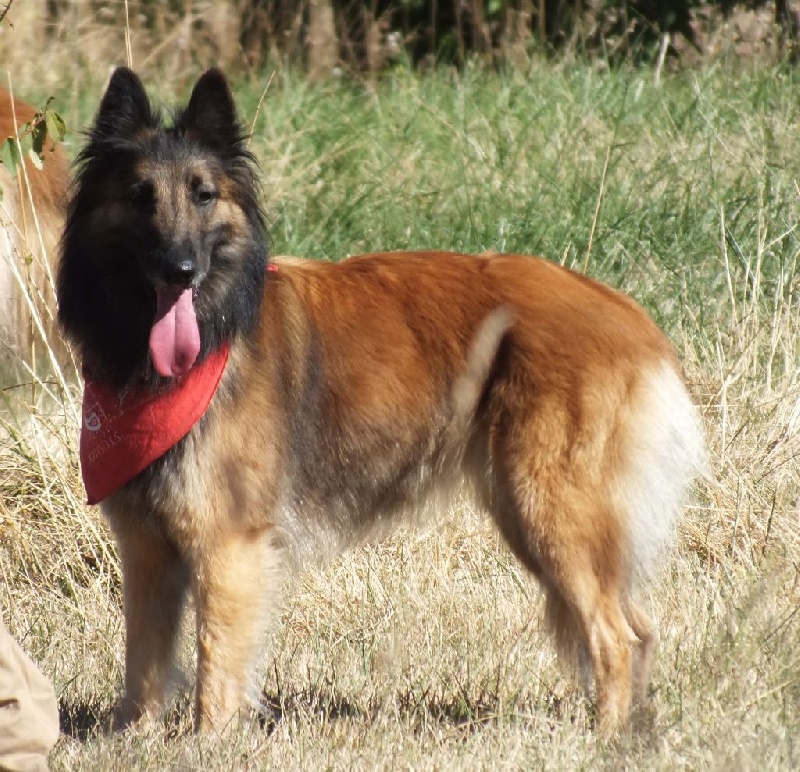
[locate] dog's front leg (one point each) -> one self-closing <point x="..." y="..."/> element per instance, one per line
<point x="155" y="580"/>
<point x="236" y="593"/>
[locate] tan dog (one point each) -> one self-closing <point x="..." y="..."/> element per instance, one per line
<point x="324" y="399"/>
<point x="32" y="215"/>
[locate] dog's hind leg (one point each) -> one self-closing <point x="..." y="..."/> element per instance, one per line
<point x="608" y="638"/>
<point x="564" y="530"/>
<point x="647" y="636"/>
<point x="584" y="587"/>
<point x="569" y="642"/>
<point x="155" y="581"/>
<point x="237" y="588"/>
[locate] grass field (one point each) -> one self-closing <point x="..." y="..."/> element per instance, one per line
<point x="427" y="651"/>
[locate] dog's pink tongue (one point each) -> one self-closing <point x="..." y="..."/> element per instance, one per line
<point x="175" y="337"/>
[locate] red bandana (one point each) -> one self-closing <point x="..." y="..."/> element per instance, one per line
<point x="122" y="435"/>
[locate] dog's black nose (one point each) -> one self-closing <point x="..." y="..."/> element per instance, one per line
<point x="180" y="272"/>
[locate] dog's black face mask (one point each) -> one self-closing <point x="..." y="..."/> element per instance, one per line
<point x="165" y="249"/>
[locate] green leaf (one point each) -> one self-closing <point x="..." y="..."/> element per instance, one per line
<point x="10" y="155"/>
<point x="56" y="127"/>
<point x="25" y="142"/>
<point x="495" y="7"/>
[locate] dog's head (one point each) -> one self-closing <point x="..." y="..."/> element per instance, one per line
<point x="164" y="251"/>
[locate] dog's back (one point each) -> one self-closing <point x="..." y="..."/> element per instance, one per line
<point x="31" y="219"/>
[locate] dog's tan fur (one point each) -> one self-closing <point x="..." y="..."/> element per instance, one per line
<point x="335" y="415"/>
<point x="34" y="203"/>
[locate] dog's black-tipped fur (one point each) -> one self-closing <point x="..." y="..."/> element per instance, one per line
<point x="107" y="303"/>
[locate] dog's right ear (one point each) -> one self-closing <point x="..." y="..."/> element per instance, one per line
<point x="125" y="109"/>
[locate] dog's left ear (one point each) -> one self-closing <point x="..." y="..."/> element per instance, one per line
<point x="210" y="117"/>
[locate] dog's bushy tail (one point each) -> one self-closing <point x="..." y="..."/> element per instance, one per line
<point x="665" y="452"/>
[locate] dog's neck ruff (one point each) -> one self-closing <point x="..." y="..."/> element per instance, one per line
<point x="123" y="433"/>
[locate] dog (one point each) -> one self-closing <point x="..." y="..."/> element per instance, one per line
<point x="241" y="414"/>
<point x="32" y="215"/>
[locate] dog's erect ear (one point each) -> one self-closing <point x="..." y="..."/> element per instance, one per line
<point x="210" y="117"/>
<point x="125" y="109"/>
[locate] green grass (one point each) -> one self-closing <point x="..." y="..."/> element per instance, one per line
<point x="426" y="651"/>
<point x="515" y="162"/>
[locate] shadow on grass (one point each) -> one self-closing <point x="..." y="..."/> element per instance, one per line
<point x="82" y="720"/>
<point x="464" y="712"/>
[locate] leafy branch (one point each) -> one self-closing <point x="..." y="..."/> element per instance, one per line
<point x="31" y="139"/>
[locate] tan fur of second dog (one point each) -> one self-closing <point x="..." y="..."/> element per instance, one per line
<point x="34" y="203"/>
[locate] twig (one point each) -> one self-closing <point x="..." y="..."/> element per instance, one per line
<point x="128" y="51"/>
<point x="258" y="108"/>
<point x="5" y="11"/>
<point x="662" y="54"/>
<point x="597" y="207"/>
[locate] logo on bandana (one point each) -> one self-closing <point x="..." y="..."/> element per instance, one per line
<point x="94" y="417"/>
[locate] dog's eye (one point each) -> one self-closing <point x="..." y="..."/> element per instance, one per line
<point x="204" y="195"/>
<point x="142" y="195"/>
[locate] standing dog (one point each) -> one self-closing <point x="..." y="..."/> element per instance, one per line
<point x="236" y="415"/>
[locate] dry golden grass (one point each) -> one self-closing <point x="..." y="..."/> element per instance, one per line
<point x="427" y="650"/>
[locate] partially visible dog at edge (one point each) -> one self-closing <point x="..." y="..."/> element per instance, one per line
<point x="341" y="395"/>
<point x="32" y="214"/>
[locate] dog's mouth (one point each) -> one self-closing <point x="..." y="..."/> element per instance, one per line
<point x="175" y="336"/>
